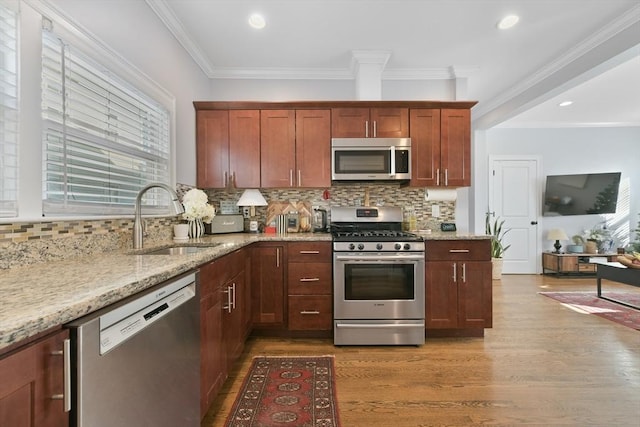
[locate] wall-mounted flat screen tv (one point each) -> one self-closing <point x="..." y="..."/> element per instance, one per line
<point x="581" y="194"/>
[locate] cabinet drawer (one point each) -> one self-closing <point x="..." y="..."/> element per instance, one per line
<point x="309" y="252"/>
<point x="310" y="279"/>
<point x="586" y="267"/>
<point x="310" y="313"/>
<point x="458" y="250"/>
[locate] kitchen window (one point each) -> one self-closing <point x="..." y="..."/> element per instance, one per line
<point x="8" y="112"/>
<point x="103" y="139"/>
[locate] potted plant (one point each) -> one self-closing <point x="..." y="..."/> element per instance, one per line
<point x="497" y="246"/>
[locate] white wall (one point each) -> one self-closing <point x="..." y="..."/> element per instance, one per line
<point x="569" y="151"/>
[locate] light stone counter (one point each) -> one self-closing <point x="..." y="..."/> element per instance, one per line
<point x="38" y="297"/>
<point x="42" y="296"/>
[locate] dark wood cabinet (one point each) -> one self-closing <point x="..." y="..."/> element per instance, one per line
<point x="425" y="146"/>
<point x="458" y="285"/>
<point x="455" y="147"/>
<point x="288" y="144"/>
<point x="228" y="148"/>
<point x="440" y="147"/>
<point x="213" y="357"/>
<point x="224" y="325"/>
<point x="31" y="377"/>
<point x="277" y="148"/>
<point x="310" y="286"/>
<point x="369" y="122"/>
<point x="313" y="148"/>
<point x="268" y="285"/>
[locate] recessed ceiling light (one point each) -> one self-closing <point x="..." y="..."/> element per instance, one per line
<point x="508" y="21"/>
<point x="257" y="21"/>
<point x="565" y="103"/>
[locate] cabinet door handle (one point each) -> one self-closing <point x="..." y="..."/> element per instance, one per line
<point x="455" y="272"/>
<point x="290" y="177"/>
<point x="310" y="279"/>
<point x="437" y="177"/>
<point x="228" y="308"/>
<point x="277" y="257"/>
<point x="366" y="128"/>
<point x="299" y="178"/>
<point x="375" y="128"/>
<point x="458" y="251"/>
<point x="309" y="252"/>
<point x="446" y="177"/>
<point x="309" y="312"/>
<point x="66" y="355"/>
<point x="233" y="180"/>
<point x="224" y="179"/>
<point x="464" y="272"/>
<point x="233" y="299"/>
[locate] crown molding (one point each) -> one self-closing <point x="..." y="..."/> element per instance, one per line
<point x="171" y="21"/>
<point x="606" y="33"/>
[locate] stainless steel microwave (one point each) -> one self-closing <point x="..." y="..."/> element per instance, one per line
<point x="370" y="159"/>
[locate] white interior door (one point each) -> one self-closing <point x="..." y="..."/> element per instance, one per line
<point x="513" y="197"/>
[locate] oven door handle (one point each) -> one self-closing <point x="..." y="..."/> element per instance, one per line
<point x="374" y="326"/>
<point x="370" y="258"/>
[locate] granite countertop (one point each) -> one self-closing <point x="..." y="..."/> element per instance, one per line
<point x="39" y="297"/>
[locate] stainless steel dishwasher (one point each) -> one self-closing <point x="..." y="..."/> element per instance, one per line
<point x="137" y="362"/>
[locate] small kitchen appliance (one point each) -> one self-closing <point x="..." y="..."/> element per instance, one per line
<point x="320" y="221"/>
<point x="225" y="224"/>
<point x="378" y="276"/>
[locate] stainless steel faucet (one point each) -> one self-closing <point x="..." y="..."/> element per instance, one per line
<point x="137" y="222"/>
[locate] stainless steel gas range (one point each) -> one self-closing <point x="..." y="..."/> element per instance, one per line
<point x="378" y="276"/>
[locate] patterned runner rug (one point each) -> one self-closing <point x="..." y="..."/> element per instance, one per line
<point x="588" y="302"/>
<point x="288" y="392"/>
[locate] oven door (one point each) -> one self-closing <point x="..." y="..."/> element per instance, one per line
<point x="379" y="286"/>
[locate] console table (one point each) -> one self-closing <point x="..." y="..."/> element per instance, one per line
<point x="617" y="272"/>
<point x="572" y="264"/>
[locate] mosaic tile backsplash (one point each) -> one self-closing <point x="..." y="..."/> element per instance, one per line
<point x="25" y="243"/>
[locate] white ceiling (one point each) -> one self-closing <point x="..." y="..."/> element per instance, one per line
<point x="587" y="51"/>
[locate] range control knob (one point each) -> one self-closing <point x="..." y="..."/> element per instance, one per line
<point x="361" y="246"/>
<point x="398" y="246"/>
<point x="379" y="246"/>
<point x="407" y="246"/>
<point x="351" y="246"/>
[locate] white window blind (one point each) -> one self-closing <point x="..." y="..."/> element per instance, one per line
<point x="103" y="139"/>
<point x="8" y="113"/>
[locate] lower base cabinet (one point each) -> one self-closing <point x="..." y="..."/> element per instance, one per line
<point x="224" y="296"/>
<point x="309" y="286"/>
<point x="458" y="287"/>
<point x="29" y="380"/>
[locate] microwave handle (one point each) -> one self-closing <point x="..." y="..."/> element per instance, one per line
<point x="393" y="161"/>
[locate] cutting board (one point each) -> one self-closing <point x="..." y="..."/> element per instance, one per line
<point x="305" y="212"/>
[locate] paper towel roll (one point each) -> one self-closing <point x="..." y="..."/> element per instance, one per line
<point x="440" y="194"/>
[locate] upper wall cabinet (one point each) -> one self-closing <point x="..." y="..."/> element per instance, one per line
<point x="288" y="144"/>
<point x="313" y="148"/>
<point x="440" y="147"/>
<point x="370" y="123"/>
<point x="228" y="148"/>
<point x="295" y="148"/>
<point x="277" y="148"/>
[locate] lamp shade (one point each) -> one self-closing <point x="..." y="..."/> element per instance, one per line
<point x="557" y="234"/>
<point x="252" y="197"/>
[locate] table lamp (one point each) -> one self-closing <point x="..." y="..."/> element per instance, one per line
<point x="557" y="234"/>
<point x="252" y="198"/>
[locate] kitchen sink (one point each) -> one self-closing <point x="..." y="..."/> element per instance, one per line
<point x="176" y="250"/>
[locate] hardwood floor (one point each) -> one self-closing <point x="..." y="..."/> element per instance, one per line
<point x="541" y="364"/>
